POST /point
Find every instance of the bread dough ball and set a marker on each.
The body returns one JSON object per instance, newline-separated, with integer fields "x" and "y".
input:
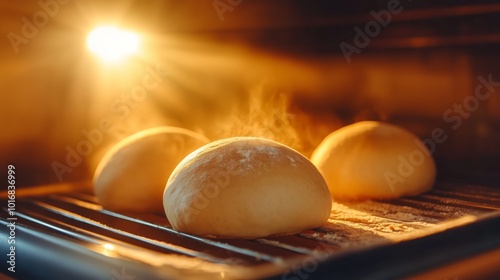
{"x": 374, "y": 160}
{"x": 246, "y": 187}
{"x": 132, "y": 175}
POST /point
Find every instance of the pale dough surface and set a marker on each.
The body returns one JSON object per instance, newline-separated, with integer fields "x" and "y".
{"x": 246, "y": 187}
{"x": 133, "y": 174}
{"x": 374, "y": 160}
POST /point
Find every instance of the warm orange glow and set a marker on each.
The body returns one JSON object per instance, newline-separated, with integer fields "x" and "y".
{"x": 108, "y": 250}
{"x": 108, "y": 246}
{"x": 113, "y": 44}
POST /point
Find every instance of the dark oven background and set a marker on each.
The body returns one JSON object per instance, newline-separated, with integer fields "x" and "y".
{"x": 289, "y": 70}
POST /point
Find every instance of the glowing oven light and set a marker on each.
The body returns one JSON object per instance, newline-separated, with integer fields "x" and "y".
{"x": 112, "y": 44}
{"x": 108, "y": 250}
{"x": 108, "y": 246}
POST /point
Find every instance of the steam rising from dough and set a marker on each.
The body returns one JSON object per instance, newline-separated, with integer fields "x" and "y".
{"x": 265, "y": 114}
{"x": 226, "y": 91}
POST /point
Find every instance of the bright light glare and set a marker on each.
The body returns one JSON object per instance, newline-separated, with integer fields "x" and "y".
{"x": 112, "y": 44}
{"x": 108, "y": 249}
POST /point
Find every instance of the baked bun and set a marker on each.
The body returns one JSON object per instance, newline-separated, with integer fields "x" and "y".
{"x": 374, "y": 160}
{"x": 246, "y": 187}
{"x": 132, "y": 175}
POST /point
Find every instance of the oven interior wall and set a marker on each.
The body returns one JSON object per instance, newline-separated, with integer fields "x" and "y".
{"x": 216, "y": 70}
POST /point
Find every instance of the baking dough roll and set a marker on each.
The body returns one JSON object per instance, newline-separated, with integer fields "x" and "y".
{"x": 132, "y": 175}
{"x": 374, "y": 160}
{"x": 246, "y": 187}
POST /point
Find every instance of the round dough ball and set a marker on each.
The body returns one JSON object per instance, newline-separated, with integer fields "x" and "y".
{"x": 132, "y": 175}
{"x": 374, "y": 160}
{"x": 246, "y": 187}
